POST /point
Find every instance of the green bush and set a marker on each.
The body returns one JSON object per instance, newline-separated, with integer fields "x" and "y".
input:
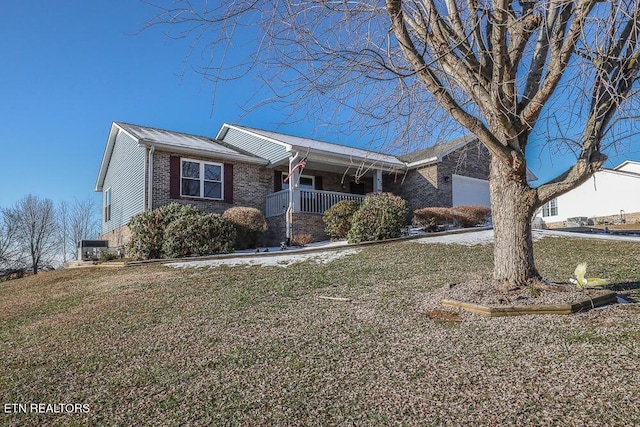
{"x": 202, "y": 234}
{"x": 432, "y": 218}
{"x": 380, "y": 217}
{"x": 249, "y": 223}
{"x": 149, "y": 232}
{"x": 337, "y": 218}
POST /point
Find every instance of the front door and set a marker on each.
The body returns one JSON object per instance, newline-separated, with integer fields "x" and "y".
{"x": 356, "y": 187}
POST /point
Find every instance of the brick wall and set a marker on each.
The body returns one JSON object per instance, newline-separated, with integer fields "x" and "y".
{"x": 305, "y": 223}
{"x": 251, "y": 185}
{"x": 419, "y": 187}
{"x": 118, "y": 237}
{"x": 302, "y": 223}
{"x": 472, "y": 160}
{"x": 431, "y": 185}
{"x": 276, "y": 231}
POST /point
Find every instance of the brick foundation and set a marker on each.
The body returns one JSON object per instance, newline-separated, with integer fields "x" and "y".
{"x": 302, "y": 223}
{"x": 117, "y": 238}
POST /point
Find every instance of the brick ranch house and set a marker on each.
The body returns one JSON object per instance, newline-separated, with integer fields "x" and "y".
{"x": 144, "y": 168}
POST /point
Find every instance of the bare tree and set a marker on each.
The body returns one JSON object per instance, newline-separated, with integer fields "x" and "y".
{"x": 8, "y": 250}
{"x": 83, "y": 222}
{"x": 507, "y": 71}
{"x": 35, "y": 224}
{"x": 63, "y": 228}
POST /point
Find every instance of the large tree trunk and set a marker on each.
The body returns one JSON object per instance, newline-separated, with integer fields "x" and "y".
{"x": 512, "y": 206}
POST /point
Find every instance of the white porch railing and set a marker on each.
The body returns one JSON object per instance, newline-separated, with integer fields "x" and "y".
{"x": 277, "y": 203}
{"x": 311, "y": 201}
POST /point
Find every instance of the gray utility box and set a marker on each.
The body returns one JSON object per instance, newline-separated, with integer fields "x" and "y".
{"x": 89, "y": 250}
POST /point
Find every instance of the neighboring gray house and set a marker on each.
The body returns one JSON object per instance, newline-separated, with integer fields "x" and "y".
{"x": 144, "y": 168}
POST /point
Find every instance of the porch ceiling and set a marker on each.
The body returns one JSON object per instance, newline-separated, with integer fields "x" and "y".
{"x": 349, "y": 169}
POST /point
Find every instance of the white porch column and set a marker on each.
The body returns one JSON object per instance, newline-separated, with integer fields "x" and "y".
{"x": 294, "y": 181}
{"x": 377, "y": 181}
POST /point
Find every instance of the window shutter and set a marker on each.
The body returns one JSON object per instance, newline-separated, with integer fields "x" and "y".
{"x": 318, "y": 182}
{"x": 174, "y": 177}
{"x": 228, "y": 183}
{"x": 277, "y": 181}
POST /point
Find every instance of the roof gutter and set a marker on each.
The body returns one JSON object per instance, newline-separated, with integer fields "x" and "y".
{"x": 422, "y": 162}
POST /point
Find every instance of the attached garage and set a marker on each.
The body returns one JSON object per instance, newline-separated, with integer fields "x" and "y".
{"x": 470, "y": 191}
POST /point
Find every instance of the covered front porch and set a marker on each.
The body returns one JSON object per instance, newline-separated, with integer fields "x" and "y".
{"x": 308, "y": 201}
{"x": 312, "y": 184}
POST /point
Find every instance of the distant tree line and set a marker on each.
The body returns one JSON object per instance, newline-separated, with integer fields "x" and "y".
{"x": 35, "y": 233}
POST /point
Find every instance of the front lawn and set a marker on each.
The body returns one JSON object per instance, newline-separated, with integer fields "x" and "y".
{"x": 153, "y": 345}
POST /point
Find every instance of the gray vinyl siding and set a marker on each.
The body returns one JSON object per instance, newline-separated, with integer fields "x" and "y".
{"x": 255, "y": 145}
{"x": 126, "y": 178}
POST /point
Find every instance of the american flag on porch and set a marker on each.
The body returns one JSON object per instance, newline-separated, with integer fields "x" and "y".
{"x": 301, "y": 164}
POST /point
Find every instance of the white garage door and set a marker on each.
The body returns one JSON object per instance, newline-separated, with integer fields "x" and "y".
{"x": 470, "y": 191}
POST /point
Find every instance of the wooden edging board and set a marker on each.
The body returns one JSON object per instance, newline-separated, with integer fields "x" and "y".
{"x": 521, "y": 310}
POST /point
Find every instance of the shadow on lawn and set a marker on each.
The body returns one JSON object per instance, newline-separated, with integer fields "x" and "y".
{"x": 631, "y": 290}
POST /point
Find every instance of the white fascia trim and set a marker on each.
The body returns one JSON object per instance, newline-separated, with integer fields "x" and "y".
{"x": 205, "y": 153}
{"x": 340, "y": 160}
{"x": 422, "y": 162}
{"x": 106, "y": 156}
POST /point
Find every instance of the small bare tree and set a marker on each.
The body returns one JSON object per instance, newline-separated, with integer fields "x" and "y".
{"x": 8, "y": 250}
{"x": 83, "y": 222}
{"x": 35, "y": 225}
{"x": 507, "y": 71}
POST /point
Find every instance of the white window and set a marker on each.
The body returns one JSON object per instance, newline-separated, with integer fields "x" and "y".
{"x": 107, "y": 205}
{"x": 550, "y": 208}
{"x": 307, "y": 182}
{"x": 201, "y": 179}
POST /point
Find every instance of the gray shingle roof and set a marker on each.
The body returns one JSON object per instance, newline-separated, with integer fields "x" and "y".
{"x": 437, "y": 151}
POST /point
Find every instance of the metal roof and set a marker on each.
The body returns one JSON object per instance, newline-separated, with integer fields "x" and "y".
{"x": 186, "y": 142}
{"x": 305, "y": 145}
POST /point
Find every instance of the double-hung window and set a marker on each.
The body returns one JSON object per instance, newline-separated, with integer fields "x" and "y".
{"x": 550, "y": 208}
{"x": 201, "y": 179}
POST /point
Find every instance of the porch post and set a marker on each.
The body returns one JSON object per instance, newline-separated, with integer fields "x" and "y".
{"x": 294, "y": 181}
{"x": 377, "y": 181}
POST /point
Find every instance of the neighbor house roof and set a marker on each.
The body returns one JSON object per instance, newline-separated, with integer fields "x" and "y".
{"x": 629, "y": 166}
{"x": 276, "y": 147}
{"x": 176, "y": 142}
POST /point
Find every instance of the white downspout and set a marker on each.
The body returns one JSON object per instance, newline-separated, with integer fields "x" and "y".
{"x": 150, "y": 174}
{"x": 289, "y": 213}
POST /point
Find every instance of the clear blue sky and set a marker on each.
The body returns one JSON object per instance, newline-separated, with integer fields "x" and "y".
{"x": 71, "y": 67}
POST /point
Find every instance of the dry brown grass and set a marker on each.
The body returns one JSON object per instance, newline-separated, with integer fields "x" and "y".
{"x": 256, "y": 346}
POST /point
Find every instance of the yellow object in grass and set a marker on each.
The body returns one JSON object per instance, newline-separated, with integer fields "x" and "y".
{"x": 582, "y": 281}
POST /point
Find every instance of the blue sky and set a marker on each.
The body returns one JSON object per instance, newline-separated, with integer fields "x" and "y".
{"x": 71, "y": 67}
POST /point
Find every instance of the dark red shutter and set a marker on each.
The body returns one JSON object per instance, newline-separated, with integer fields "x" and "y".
{"x": 228, "y": 183}
{"x": 174, "y": 177}
{"x": 277, "y": 181}
{"x": 318, "y": 183}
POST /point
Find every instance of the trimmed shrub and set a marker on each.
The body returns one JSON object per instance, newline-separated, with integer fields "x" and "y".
{"x": 301, "y": 240}
{"x": 380, "y": 217}
{"x": 337, "y": 218}
{"x": 149, "y": 232}
{"x": 431, "y": 219}
{"x": 470, "y": 216}
{"x": 249, "y": 223}
{"x": 202, "y": 234}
